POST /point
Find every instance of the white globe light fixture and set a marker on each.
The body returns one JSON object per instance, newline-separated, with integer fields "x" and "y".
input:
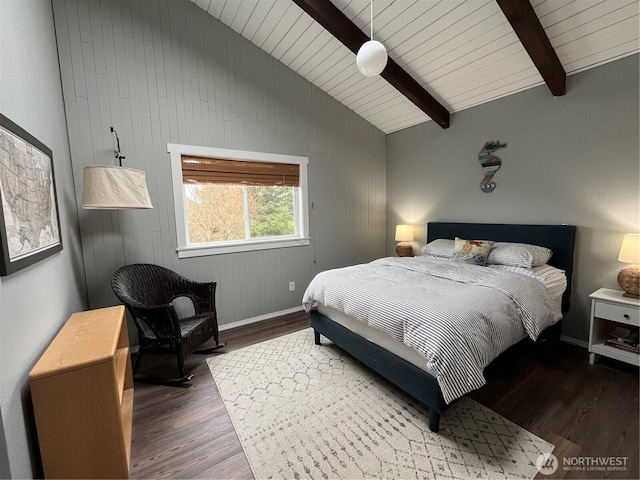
{"x": 372, "y": 56}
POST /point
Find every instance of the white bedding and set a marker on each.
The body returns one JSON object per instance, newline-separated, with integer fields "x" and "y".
{"x": 458, "y": 317}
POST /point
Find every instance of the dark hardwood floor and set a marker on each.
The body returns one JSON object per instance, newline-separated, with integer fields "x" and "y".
{"x": 585, "y": 411}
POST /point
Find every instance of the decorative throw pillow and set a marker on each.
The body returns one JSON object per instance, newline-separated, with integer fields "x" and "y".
{"x": 472, "y": 251}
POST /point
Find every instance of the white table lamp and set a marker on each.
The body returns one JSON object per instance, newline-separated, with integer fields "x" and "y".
{"x": 629, "y": 276}
{"x": 404, "y": 235}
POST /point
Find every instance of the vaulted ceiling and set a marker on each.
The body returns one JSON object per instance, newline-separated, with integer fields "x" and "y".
{"x": 461, "y": 53}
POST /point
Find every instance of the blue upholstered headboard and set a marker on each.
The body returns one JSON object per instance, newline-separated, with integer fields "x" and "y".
{"x": 559, "y": 239}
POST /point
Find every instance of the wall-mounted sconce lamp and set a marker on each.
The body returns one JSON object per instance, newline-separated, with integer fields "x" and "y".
{"x": 111, "y": 187}
{"x": 629, "y": 276}
{"x": 404, "y": 235}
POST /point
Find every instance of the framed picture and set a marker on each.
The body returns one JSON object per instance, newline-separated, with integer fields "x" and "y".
{"x": 29, "y": 219}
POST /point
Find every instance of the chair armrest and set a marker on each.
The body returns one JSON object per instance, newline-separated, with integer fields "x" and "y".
{"x": 162, "y": 319}
{"x": 202, "y": 294}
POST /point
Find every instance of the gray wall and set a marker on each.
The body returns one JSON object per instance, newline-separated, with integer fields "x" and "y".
{"x": 572, "y": 159}
{"x": 166, "y": 71}
{"x": 35, "y": 302}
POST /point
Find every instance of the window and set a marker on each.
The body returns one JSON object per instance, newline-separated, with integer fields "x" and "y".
{"x": 234, "y": 201}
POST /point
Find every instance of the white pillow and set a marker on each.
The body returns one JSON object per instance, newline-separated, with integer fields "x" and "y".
{"x": 437, "y": 257}
{"x": 502, "y": 253}
{"x": 554, "y": 279}
{"x": 442, "y": 248}
{"x": 518, "y": 254}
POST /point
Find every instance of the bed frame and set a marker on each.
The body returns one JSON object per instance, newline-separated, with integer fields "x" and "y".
{"x": 416, "y": 382}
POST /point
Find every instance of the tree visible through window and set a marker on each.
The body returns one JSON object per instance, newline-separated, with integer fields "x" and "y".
{"x": 271, "y": 211}
{"x": 218, "y": 213}
{"x": 233, "y": 200}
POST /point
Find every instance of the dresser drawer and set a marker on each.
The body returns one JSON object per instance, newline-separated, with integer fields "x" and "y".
{"x": 617, "y": 313}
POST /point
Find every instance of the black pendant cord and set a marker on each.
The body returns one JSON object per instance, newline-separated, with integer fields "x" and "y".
{"x": 116, "y": 150}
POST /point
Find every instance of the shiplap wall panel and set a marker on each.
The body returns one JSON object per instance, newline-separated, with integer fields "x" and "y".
{"x": 275, "y": 16}
{"x": 457, "y": 52}
{"x": 256, "y": 18}
{"x": 301, "y": 43}
{"x": 322, "y": 58}
{"x": 167, "y": 72}
{"x": 438, "y": 52}
{"x": 573, "y": 50}
{"x": 432, "y": 20}
{"x": 352, "y": 88}
{"x": 479, "y": 75}
{"x": 292, "y": 35}
{"x": 337, "y": 64}
{"x": 432, "y": 39}
{"x": 389, "y": 22}
{"x": 513, "y": 83}
{"x": 204, "y": 4}
{"x": 64, "y": 55}
{"x": 406, "y": 111}
{"x": 243, "y": 14}
{"x": 288, "y": 18}
{"x": 619, "y": 51}
{"x": 394, "y": 124}
{"x": 355, "y": 83}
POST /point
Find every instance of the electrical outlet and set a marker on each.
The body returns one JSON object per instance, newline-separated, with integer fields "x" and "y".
{"x": 292, "y": 286}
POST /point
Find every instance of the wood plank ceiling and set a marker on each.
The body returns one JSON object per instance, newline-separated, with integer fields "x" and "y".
{"x": 463, "y": 52}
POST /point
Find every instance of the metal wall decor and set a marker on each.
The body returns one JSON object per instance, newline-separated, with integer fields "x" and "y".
{"x": 490, "y": 164}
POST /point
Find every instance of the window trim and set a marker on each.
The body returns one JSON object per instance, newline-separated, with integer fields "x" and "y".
{"x": 185, "y": 250}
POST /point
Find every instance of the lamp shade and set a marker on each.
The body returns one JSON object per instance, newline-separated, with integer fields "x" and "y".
{"x": 404, "y": 233}
{"x": 630, "y": 250}
{"x": 114, "y": 188}
{"x": 371, "y": 58}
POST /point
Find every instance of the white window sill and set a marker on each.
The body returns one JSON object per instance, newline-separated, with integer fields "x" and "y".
{"x": 241, "y": 246}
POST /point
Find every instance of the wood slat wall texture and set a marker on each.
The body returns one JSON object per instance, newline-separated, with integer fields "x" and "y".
{"x": 463, "y": 52}
{"x": 165, "y": 71}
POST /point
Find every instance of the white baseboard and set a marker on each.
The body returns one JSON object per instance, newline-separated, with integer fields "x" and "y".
{"x": 259, "y": 318}
{"x": 574, "y": 341}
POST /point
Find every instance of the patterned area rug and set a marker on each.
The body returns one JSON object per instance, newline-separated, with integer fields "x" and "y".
{"x": 307, "y": 411}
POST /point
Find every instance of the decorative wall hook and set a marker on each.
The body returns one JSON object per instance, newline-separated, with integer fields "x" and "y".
{"x": 116, "y": 148}
{"x": 490, "y": 164}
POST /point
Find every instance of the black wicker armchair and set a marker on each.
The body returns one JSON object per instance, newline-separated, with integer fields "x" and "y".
{"x": 148, "y": 292}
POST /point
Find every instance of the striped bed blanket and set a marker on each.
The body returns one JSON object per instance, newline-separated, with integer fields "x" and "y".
{"x": 459, "y": 317}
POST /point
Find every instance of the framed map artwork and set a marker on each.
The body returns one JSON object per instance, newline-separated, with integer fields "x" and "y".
{"x": 29, "y": 219}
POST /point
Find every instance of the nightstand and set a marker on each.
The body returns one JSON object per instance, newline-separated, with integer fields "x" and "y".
{"x": 608, "y": 310}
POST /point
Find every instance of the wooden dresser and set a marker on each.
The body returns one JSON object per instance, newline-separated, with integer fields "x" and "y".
{"x": 82, "y": 390}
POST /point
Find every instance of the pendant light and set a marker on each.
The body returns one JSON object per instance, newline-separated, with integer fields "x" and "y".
{"x": 372, "y": 56}
{"x": 114, "y": 187}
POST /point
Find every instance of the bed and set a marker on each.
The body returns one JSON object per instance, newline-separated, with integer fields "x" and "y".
{"x": 401, "y": 364}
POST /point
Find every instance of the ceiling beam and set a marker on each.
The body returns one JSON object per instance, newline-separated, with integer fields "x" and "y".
{"x": 526, "y": 24}
{"x": 335, "y": 22}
